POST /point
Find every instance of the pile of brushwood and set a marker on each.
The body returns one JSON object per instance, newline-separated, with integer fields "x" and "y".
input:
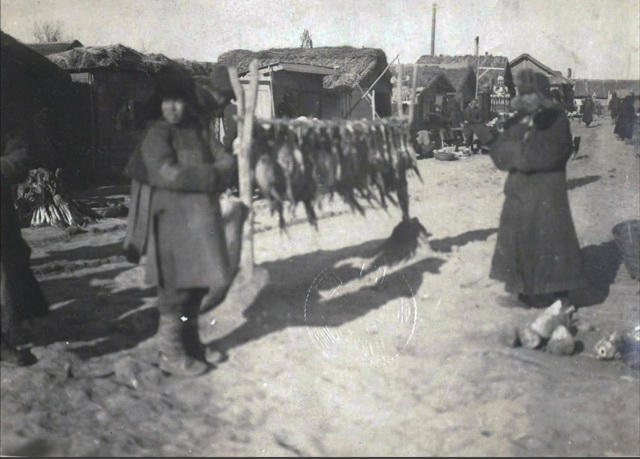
{"x": 42, "y": 200}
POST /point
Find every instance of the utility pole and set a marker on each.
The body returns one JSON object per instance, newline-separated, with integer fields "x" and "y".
{"x": 433, "y": 30}
{"x": 477, "y": 64}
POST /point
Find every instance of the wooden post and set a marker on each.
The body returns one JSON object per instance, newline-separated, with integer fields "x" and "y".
{"x": 246, "y": 112}
{"x": 413, "y": 94}
{"x": 373, "y": 105}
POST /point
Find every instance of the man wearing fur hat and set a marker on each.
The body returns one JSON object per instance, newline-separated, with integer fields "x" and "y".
{"x": 537, "y": 254}
{"x": 175, "y": 219}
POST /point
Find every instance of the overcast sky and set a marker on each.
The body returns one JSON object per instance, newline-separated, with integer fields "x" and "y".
{"x": 596, "y": 38}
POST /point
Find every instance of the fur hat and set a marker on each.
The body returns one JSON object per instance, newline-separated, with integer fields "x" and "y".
{"x": 174, "y": 82}
{"x": 528, "y": 81}
{"x": 218, "y": 79}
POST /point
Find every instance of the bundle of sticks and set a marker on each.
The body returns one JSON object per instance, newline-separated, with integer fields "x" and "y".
{"x": 42, "y": 200}
{"x": 301, "y": 160}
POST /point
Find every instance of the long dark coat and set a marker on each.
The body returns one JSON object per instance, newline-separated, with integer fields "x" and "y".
{"x": 588, "y": 107}
{"x": 626, "y": 118}
{"x": 537, "y": 249}
{"x": 20, "y": 294}
{"x": 614, "y": 107}
{"x": 175, "y": 219}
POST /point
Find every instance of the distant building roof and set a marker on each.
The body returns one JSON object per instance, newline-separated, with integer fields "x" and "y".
{"x": 427, "y": 77}
{"x": 555, "y": 76}
{"x": 354, "y": 66}
{"x": 54, "y": 47}
{"x": 602, "y": 88}
{"x": 486, "y": 60}
{"x": 490, "y": 66}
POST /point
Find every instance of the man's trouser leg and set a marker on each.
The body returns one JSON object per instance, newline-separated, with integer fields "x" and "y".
{"x": 178, "y": 309}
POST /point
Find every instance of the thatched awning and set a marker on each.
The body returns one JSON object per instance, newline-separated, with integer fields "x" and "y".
{"x": 355, "y": 65}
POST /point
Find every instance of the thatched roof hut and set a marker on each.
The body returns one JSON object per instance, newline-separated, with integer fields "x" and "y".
{"x": 496, "y": 65}
{"x": 356, "y": 66}
{"x": 426, "y": 77}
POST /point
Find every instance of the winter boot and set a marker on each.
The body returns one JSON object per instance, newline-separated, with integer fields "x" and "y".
{"x": 12, "y": 356}
{"x": 173, "y": 357}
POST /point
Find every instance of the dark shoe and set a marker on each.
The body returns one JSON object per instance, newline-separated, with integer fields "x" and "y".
{"x": 541, "y": 300}
{"x": 214, "y": 354}
{"x": 15, "y": 357}
{"x": 181, "y": 365}
{"x": 508, "y": 301}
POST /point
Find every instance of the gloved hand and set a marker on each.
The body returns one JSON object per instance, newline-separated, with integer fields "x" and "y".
{"x": 227, "y": 171}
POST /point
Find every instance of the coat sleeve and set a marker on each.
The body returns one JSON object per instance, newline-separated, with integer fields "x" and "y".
{"x": 15, "y": 161}
{"x": 164, "y": 170}
{"x": 538, "y": 148}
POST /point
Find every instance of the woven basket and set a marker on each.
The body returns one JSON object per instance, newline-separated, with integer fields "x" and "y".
{"x": 444, "y": 156}
{"x": 627, "y": 235}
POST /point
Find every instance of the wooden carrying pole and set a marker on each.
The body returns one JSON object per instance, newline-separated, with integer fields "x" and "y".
{"x": 242, "y": 148}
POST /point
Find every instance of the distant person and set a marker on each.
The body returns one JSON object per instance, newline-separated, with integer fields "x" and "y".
{"x": 537, "y": 254}
{"x": 286, "y": 108}
{"x": 455, "y": 114}
{"x": 472, "y": 118}
{"x": 426, "y": 145}
{"x": 438, "y": 125}
{"x": 588, "y": 108}
{"x": 626, "y": 119}
{"x": 20, "y": 294}
{"x": 500, "y": 89}
{"x": 614, "y": 107}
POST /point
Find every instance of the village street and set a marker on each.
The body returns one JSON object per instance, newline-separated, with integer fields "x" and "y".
{"x": 336, "y": 360}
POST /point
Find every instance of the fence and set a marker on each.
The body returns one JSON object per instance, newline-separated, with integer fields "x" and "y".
{"x": 500, "y": 104}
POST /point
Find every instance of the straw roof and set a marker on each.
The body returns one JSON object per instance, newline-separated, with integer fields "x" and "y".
{"x": 197, "y": 68}
{"x": 121, "y": 57}
{"x": 601, "y": 88}
{"x": 426, "y": 76}
{"x": 116, "y": 56}
{"x": 499, "y": 64}
{"x": 457, "y": 76}
{"x": 487, "y": 60}
{"x": 355, "y": 65}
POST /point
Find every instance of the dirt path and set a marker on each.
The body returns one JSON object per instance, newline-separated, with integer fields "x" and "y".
{"x": 338, "y": 360}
